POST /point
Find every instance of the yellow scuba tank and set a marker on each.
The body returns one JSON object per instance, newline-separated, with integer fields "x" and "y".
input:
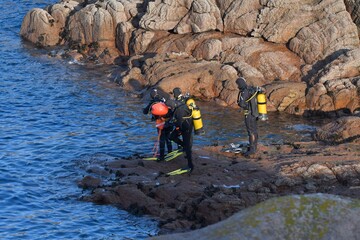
{"x": 261, "y": 104}
{"x": 196, "y": 115}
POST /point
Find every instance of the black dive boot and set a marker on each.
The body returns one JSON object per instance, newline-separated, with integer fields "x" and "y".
{"x": 162, "y": 155}
{"x": 253, "y": 138}
{"x": 190, "y": 165}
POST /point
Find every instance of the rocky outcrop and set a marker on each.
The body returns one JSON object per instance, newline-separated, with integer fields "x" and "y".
{"x": 251, "y": 58}
{"x": 203, "y": 78}
{"x": 342, "y": 130}
{"x": 288, "y": 97}
{"x": 334, "y": 95}
{"x": 240, "y": 16}
{"x": 267, "y": 42}
{"x": 203, "y": 16}
{"x": 353, "y": 7}
{"x": 222, "y": 183}
{"x": 164, "y": 15}
{"x": 318, "y": 40}
{"x": 315, "y": 216}
{"x": 38, "y": 27}
{"x": 46, "y": 27}
{"x": 96, "y": 23}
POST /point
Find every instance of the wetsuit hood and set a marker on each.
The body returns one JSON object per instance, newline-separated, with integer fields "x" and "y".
{"x": 241, "y": 82}
{"x": 154, "y": 93}
{"x": 176, "y": 92}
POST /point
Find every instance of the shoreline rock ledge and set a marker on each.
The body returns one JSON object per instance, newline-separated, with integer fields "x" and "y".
{"x": 304, "y": 53}
{"x": 224, "y": 183}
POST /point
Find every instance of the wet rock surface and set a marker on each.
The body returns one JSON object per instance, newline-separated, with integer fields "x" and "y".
{"x": 224, "y": 183}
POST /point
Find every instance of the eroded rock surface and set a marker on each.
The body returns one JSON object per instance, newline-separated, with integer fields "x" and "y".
{"x": 315, "y": 42}
{"x": 334, "y": 95}
{"x": 341, "y": 130}
{"x": 353, "y": 7}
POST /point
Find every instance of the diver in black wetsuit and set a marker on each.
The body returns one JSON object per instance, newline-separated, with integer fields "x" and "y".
{"x": 155, "y": 98}
{"x": 247, "y": 101}
{"x": 179, "y": 96}
{"x": 164, "y": 138}
{"x": 181, "y": 117}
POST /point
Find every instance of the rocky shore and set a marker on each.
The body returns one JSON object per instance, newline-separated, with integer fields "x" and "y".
{"x": 224, "y": 183}
{"x": 304, "y": 53}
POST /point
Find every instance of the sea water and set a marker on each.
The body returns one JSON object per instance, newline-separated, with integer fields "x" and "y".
{"x": 57, "y": 116}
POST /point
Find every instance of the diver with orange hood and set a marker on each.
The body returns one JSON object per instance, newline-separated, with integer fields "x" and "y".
{"x": 160, "y": 115}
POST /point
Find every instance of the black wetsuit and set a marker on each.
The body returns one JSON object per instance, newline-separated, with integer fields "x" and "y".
{"x": 247, "y": 101}
{"x": 184, "y": 127}
{"x": 165, "y": 132}
{"x": 154, "y": 100}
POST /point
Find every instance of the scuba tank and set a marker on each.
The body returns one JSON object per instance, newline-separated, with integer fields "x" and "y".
{"x": 261, "y": 104}
{"x": 196, "y": 115}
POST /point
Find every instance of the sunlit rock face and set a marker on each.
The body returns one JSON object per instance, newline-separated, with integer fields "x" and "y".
{"x": 97, "y": 23}
{"x": 274, "y": 44}
{"x": 45, "y": 27}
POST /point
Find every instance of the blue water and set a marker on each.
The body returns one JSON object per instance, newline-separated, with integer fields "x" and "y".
{"x": 56, "y": 117}
{"x": 53, "y": 116}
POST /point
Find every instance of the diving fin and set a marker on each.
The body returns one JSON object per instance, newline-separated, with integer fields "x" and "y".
{"x": 173, "y": 156}
{"x": 173, "y": 152}
{"x": 179, "y": 171}
{"x": 168, "y": 157}
{"x": 150, "y": 158}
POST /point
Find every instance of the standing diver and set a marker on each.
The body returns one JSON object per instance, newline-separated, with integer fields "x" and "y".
{"x": 181, "y": 116}
{"x": 195, "y": 110}
{"x": 247, "y": 101}
{"x": 167, "y": 128}
{"x": 179, "y": 96}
